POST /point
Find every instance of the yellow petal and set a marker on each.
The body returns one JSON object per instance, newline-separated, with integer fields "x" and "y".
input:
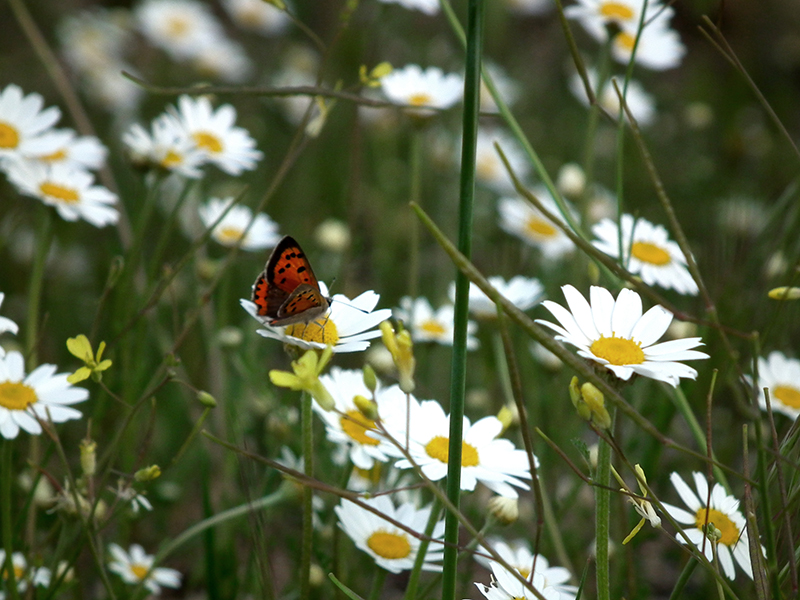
{"x": 79, "y": 375}
{"x": 80, "y": 347}
{"x": 285, "y": 379}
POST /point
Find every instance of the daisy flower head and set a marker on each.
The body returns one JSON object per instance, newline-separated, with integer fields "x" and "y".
{"x": 225, "y": 60}
{"x": 6, "y": 324}
{"x": 23, "y": 124}
{"x": 430, "y": 88}
{"x": 428, "y": 325}
{"x": 391, "y": 547}
{"x": 640, "y": 103}
{"x": 229, "y": 147}
{"x": 348, "y": 325}
{"x": 136, "y": 567}
{"x": 617, "y": 335}
{"x": 659, "y": 47}
{"x": 346, "y": 425}
{"x": 429, "y": 7}
{"x": 506, "y": 586}
{"x": 522, "y": 292}
{"x": 78, "y": 152}
{"x": 520, "y": 218}
{"x": 179, "y": 27}
{"x": 781, "y": 376}
{"x": 263, "y": 233}
{"x": 168, "y": 146}
{"x": 24, "y": 574}
{"x": 70, "y": 191}
{"x": 723, "y": 511}
{"x": 94, "y": 38}
{"x": 257, "y": 15}
{"x": 647, "y": 251}
{"x": 493, "y": 461}
{"x": 594, "y": 15}
{"x": 42, "y": 395}
{"x": 489, "y": 168}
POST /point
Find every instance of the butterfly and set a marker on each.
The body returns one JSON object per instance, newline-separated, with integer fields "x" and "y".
{"x": 287, "y": 291}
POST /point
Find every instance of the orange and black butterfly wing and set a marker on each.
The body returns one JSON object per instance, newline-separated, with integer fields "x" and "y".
{"x": 303, "y": 305}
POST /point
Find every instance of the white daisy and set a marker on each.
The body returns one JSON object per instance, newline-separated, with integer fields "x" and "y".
{"x": 427, "y": 325}
{"x": 180, "y": 27}
{"x": 43, "y": 394}
{"x": 24, "y": 574}
{"x": 263, "y": 232}
{"x": 78, "y": 152}
{"x": 506, "y": 586}
{"x": 522, "y": 292}
{"x": 617, "y": 335}
{"x": 520, "y": 218}
{"x": 94, "y": 38}
{"x": 168, "y": 146}
{"x": 429, "y": 7}
{"x": 429, "y": 88}
{"x": 723, "y": 512}
{"x": 257, "y": 15}
{"x": 508, "y": 88}
{"x": 299, "y": 68}
{"x": 781, "y": 375}
{"x": 229, "y": 147}
{"x": 594, "y": 15}
{"x": 225, "y": 60}
{"x": 659, "y": 48}
{"x": 647, "y": 251}
{"x": 519, "y": 556}
{"x": 391, "y": 547}
{"x": 347, "y": 326}
{"x": 489, "y": 168}
{"x": 493, "y": 461}
{"x": 346, "y": 425}
{"x": 69, "y": 190}
{"x": 23, "y": 123}
{"x": 6, "y": 324}
{"x": 640, "y": 103}
{"x": 112, "y": 91}
{"x": 136, "y": 567}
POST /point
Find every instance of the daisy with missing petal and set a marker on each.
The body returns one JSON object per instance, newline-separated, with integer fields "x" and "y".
{"x": 69, "y": 190}
{"x": 6, "y": 324}
{"x": 518, "y": 555}
{"x": 427, "y": 325}
{"x": 617, "y": 335}
{"x": 429, "y": 7}
{"x": 346, "y": 425}
{"x": 522, "y": 292}
{"x": 723, "y": 512}
{"x": 781, "y": 376}
{"x": 262, "y": 233}
{"x": 137, "y": 567}
{"x": 391, "y": 547}
{"x": 347, "y": 326}
{"x": 79, "y": 152}
{"x": 520, "y": 218}
{"x": 168, "y": 146}
{"x": 506, "y": 586}
{"x": 43, "y": 394}
{"x": 180, "y": 27}
{"x": 229, "y": 147}
{"x": 429, "y": 88}
{"x": 23, "y": 123}
{"x": 493, "y": 461}
{"x": 640, "y": 103}
{"x": 647, "y": 251}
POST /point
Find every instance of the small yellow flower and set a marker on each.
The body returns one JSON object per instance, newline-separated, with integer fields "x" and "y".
{"x": 81, "y": 348}
{"x": 305, "y": 377}
{"x": 373, "y": 78}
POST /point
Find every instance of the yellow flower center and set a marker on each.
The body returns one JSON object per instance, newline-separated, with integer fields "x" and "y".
{"x": 323, "y": 330}
{"x": 618, "y": 351}
{"x": 432, "y": 327}
{"x": 59, "y": 192}
{"x": 525, "y": 572}
{"x": 208, "y": 141}
{"x": 788, "y": 395}
{"x": 625, "y": 41}
{"x": 177, "y": 27}
{"x": 171, "y": 159}
{"x": 650, "y": 253}
{"x": 372, "y": 475}
{"x": 228, "y": 235}
{"x": 439, "y": 448}
{"x": 389, "y": 545}
{"x": 616, "y": 11}
{"x": 9, "y": 136}
{"x": 140, "y": 571}
{"x": 16, "y": 395}
{"x": 539, "y": 228}
{"x": 420, "y": 99}
{"x": 55, "y": 156}
{"x": 730, "y": 533}
{"x": 356, "y": 425}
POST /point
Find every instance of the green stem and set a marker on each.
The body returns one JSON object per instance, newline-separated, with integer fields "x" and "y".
{"x": 602, "y": 497}
{"x": 307, "y": 424}
{"x": 377, "y": 584}
{"x": 677, "y": 591}
{"x": 422, "y": 551}
{"x": 472, "y": 84}
{"x": 37, "y": 281}
{"x": 7, "y": 472}
{"x": 414, "y": 195}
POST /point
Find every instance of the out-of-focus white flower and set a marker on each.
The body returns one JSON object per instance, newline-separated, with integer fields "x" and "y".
{"x": 640, "y": 103}
{"x": 263, "y": 233}
{"x": 520, "y": 218}
{"x": 781, "y": 376}
{"x": 180, "y": 27}
{"x": 429, "y": 7}
{"x": 522, "y": 292}
{"x": 24, "y": 125}
{"x": 427, "y": 325}
{"x": 413, "y": 86}
{"x": 489, "y": 167}
{"x": 136, "y": 567}
{"x": 168, "y": 146}
{"x": 257, "y": 15}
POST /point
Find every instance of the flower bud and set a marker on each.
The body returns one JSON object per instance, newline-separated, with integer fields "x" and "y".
{"x": 148, "y": 473}
{"x": 505, "y": 510}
